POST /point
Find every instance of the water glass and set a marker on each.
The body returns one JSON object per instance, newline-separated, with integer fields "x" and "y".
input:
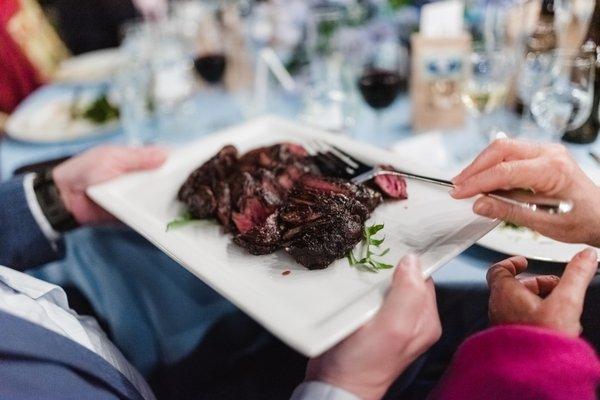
{"x": 485, "y": 85}
{"x": 563, "y": 100}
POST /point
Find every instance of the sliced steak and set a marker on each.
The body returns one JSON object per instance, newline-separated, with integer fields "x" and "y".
{"x": 367, "y": 196}
{"x": 319, "y": 243}
{"x": 322, "y": 220}
{"x": 202, "y": 203}
{"x": 275, "y": 197}
{"x": 263, "y": 238}
{"x": 223, "y": 198}
{"x": 253, "y": 213}
{"x": 390, "y": 185}
{"x": 216, "y": 169}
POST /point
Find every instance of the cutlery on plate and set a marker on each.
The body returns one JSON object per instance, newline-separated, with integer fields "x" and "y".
{"x": 339, "y": 163}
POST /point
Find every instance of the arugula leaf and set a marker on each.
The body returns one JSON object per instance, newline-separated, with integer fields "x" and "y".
{"x": 184, "y": 219}
{"x": 372, "y": 230}
{"x": 100, "y": 111}
{"x": 366, "y": 261}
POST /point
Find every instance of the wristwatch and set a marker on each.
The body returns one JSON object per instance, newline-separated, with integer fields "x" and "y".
{"x": 48, "y": 197}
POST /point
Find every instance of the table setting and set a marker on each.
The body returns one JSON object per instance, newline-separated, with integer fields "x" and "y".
{"x": 421, "y": 88}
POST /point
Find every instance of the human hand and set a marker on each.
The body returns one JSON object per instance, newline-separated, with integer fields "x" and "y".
{"x": 367, "y": 362}
{"x": 543, "y": 301}
{"x": 97, "y": 165}
{"x": 550, "y": 172}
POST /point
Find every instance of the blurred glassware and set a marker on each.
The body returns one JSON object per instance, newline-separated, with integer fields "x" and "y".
{"x": 571, "y": 20}
{"x": 210, "y": 58}
{"x": 383, "y": 70}
{"x": 534, "y": 67}
{"x": 325, "y": 99}
{"x": 563, "y": 100}
{"x": 157, "y": 77}
{"x": 485, "y": 86}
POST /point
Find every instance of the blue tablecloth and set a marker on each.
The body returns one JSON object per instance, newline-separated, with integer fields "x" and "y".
{"x": 157, "y": 312}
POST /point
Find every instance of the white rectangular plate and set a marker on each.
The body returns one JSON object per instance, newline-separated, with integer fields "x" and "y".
{"x": 309, "y": 310}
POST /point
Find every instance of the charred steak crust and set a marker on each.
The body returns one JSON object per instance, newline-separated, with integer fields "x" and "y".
{"x": 275, "y": 197}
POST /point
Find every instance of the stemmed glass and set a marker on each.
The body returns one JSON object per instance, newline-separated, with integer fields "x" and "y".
{"x": 563, "y": 100}
{"x": 534, "y": 67}
{"x": 380, "y": 80}
{"x": 485, "y": 85}
{"x": 210, "y": 60}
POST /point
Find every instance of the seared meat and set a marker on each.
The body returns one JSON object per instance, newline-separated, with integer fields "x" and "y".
{"x": 390, "y": 185}
{"x": 319, "y": 243}
{"x": 367, "y": 196}
{"x": 323, "y": 219}
{"x": 202, "y": 203}
{"x": 204, "y": 181}
{"x": 263, "y": 238}
{"x": 275, "y": 197}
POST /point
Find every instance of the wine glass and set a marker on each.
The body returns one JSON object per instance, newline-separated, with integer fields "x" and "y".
{"x": 563, "y": 100}
{"x": 534, "y": 67}
{"x": 485, "y": 86}
{"x": 380, "y": 78}
{"x": 210, "y": 60}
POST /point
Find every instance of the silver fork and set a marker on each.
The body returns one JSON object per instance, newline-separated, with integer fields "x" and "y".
{"x": 337, "y": 162}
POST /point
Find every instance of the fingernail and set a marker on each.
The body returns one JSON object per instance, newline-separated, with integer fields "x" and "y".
{"x": 589, "y": 254}
{"x": 483, "y": 208}
{"x": 455, "y": 190}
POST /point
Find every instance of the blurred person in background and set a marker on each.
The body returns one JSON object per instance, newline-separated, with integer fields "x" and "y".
{"x": 35, "y": 37}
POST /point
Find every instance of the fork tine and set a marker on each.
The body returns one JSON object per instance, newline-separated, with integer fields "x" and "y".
{"x": 342, "y": 166}
{"x": 331, "y": 162}
{"x": 358, "y": 166}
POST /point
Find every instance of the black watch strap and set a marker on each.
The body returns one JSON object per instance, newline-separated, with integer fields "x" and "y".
{"x": 50, "y": 202}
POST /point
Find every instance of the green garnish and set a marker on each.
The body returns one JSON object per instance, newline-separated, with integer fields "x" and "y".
{"x": 99, "y": 111}
{"x": 184, "y": 219}
{"x": 506, "y": 224}
{"x": 371, "y": 249}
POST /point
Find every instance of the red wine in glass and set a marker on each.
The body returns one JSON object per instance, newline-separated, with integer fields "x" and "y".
{"x": 380, "y": 87}
{"x": 211, "y": 67}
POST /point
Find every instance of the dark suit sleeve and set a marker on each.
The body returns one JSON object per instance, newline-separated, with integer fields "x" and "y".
{"x": 22, "y": 243}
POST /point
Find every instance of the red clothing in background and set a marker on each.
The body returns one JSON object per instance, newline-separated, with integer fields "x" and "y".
{"x": 18, "y": 77}
{"x": 521, "y": 363}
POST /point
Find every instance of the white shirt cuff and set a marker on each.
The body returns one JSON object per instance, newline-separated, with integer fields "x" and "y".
{"x": 315, "y": 390}
{"x": 36, "y": 210}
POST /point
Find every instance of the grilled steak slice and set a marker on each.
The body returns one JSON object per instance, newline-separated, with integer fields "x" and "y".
{"x": 367, "y": 196}
{"x": 222, "y": 194}
{"x": 318, "y": 243}
{"x": 202, "y": 203}
{"x": 275, "y": 197}
{"x": 323, "y": 219}
{"x": 390, "y": 185}
{"x": 263, "y": 238}
{"x": 216, "y": 169}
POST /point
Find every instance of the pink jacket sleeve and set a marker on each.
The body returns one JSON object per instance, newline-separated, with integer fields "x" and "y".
{"x": 521, "y": 362}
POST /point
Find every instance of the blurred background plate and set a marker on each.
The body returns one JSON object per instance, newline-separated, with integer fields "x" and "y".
{"x": 442, "y": 150}
{"x": 530, "y": 244}
{"x": 46, "y": 115}
{"x": 93, "y": 67}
